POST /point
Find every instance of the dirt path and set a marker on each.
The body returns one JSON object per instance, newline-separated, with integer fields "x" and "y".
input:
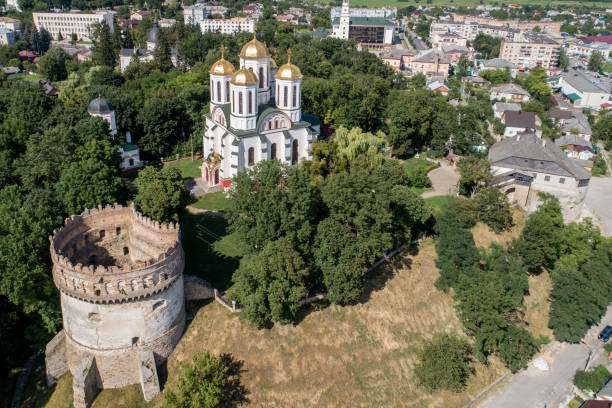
{"x": 444, "y": 180}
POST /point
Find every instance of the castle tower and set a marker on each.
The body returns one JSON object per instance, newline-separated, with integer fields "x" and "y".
{"x": 120, "y": 277}
{"x": 255, "y": 56}
{"x": 243, "y": 88}
{"x": 220, "y": 77}
{"x": 102, "y": 108}
{"x": 289, "y": 90}
{"x": 345, "y": 20}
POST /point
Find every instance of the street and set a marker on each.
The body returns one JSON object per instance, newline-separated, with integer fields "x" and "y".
{"x": 532, "y": 388}
{"x": 598, "y": 201}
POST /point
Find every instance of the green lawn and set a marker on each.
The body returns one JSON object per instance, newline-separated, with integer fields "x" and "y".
{"x": 189, "y": 168}
{"x": 24, "y": 76}
{"x": 212, "y": 201}
{"x": 438, "y": 202}
{"x": 211, "y": 251}
{"x": 415, "y": 164}
{"x": 575, "y": 403}
{"x": 607, "y": 67}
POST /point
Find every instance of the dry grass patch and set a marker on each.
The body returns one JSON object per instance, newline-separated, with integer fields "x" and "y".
{"x": 484, "y": 236}
{"x": 537, "y": 305}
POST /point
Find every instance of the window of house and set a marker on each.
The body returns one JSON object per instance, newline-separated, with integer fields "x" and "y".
{"x": 561, "y": 180}
{"x": 273, "y": 151}
{"x": 251, "y": 156}
{"x": 546, "y": 178}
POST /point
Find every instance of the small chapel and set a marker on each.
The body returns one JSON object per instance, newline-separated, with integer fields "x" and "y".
{"x": 255, "y": 114}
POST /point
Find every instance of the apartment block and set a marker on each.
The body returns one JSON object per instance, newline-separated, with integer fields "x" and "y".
{"x": 75, "y": 22}
{"x": 229, "y": 26}
{"x": 545, "y": 25}
{"x": 537, "y": 50}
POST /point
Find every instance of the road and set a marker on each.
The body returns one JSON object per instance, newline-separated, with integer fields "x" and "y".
{"x": 598, "y": 201}
{"x": 532, "y": 388}
{"x": 418, "y": 43}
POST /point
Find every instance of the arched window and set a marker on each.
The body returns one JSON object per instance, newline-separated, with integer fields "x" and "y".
{"x": 282, "y": 123}
{"x": 273, "y": 151}
{"x": 219, "y": 91}
{"x": 131, "y": 162}
{"x": 250, "y": 102}
{"x": 227, "y": 93}
{"x": 240, "y": 102}
{"x": 294, "y": 152}
{"x": 286, "y": 91}
{"x": 261, "y": 77}
{"x": 294, "y": 96}
{"x": 233, "y": 101}
{"x": 275, "y": 123}
{"x": 251, "y": 156}
{"x": 217, "y": 176}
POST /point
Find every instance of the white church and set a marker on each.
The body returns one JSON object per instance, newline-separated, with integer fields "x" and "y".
{"x": 255, "y": 114}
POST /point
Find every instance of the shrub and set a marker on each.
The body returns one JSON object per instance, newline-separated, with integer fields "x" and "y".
{"x": 494, "y": 209}
{"x": 464, "y": 209}
{"x": 444, "y": 363}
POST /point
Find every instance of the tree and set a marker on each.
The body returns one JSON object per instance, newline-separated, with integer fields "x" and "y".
{"x": 53, "y": 65}
{"x": 475, "y": 173}
{"x": 517, "y": 348}
{"x": 87, "y": 184}
{"x": 494, "y": 209}
{"x": 161, "y": 121}
{"x": 418, "y": 81}
{"x": 496, "y": 76}
{"x": 270, "y": 284}
{"x": 487, "y": 45}
{"x": 356, "y": 143}
{"x": 208, "y": 382}
{"x": 103, "y": 50}
{"x": 602, "y": 130}
{"x": 563, "y": 59}
{"x": 596, "y": 61}
{"x": 536, "y": 83}
{"x": 161, "y": 193}
{"x": 273, "y": 201}
{"x": 162, "y": 52}
{"x": 444, "y": 363}
{"x": 463, "y": 65}
{"x": 540, "y": 241}
{"x": 592, "y": 380}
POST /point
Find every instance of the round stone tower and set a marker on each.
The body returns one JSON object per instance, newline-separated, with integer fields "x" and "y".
{"x": 120, "y": 277}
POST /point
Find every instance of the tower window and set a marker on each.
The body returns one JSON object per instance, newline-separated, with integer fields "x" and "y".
{"x": 227, "y": 92}
{"x": 251, "y": 156}
{"x": 250, "y": 103}
{"x": 233, "y": 101}
{"x": 294, "y": 95}
{"x": 240, "y": 102}
{"x": 273, "y": 151}
{"x": 219, "y": 91}
{"x": 285, "y": 92}
{"x": 261, "y": 77}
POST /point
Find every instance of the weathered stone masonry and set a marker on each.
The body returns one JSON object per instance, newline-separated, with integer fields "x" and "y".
{"x": 120, "y": 277}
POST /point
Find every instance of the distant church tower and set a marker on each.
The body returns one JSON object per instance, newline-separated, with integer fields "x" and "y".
{"x": 102, "y": 108}
{"x": 345, "y": 21}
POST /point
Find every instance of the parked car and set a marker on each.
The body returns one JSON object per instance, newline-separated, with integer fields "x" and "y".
{"x": 605, "y": 334}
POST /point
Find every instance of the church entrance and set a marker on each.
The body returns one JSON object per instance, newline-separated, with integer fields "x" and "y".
{"x": 216, "y": 176}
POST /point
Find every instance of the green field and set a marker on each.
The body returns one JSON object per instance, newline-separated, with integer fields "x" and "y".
{"x": 457, "y": 3}
{"x": 189, "y": 168}
{"x": 27, "y": 77}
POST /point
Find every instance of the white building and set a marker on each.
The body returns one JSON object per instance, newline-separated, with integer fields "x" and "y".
{"x": 469, "y": 31}
{"x": 382, "y": 12}
{"x": 255, "y": 114}
{"x": 194, "y": 14}
{"x": 7, "y": 37}
{"x": 586, "y": 50}
{"x": 525, "y": 165}
{"x": 126, "y": 55}
{"x": 509, "y": 92}
{"x": 10, "y": 23}
{"x": 230, "y": 26}
{"x": 364, "y": 30}
{"x": 13, "y": 4}
{"x": 585, "y": 91}
{"x": 73, "y": 22}
{"x": 130, "y": 154}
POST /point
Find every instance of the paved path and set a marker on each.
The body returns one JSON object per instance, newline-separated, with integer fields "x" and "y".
{"x": 444, "y": 180}
{"x": 532, "y": 388}
{"x": 598, "y": 201}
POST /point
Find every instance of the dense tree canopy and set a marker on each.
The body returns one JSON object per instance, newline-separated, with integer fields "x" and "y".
{"x": 444, "y": 363}
{"x": 161, "y": 193}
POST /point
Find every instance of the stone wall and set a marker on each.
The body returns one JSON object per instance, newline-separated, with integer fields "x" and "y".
{"x": 85, "y": 382}
{"x": 55, "y": 358}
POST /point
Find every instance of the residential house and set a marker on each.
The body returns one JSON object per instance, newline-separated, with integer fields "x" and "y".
{"x": 438, "y": 87}
{"x": 140, "y": 15}
{"x": 510, "y": 92}
{"x": 126, "y": 55}
{"x": 398, "y": 59}
{"x": 525, "y": 165}
{"x": 476, "y": 80}
{"x": 500, "y": 107}
{"x": 605, "y": 394}
{"x": 534, "y": 50}
{"x": 500, "y": 63}
{"x": 596, "y": 404}
{"x": 7, "y": 36}
{"x": 454, "y": 52}
{"x": 430, "y": 62}
{"x": 518, "y": 122}
{"x": 442, "y": 38}
{"x": 575, "y": 147}
{"x": 572, "y": 122}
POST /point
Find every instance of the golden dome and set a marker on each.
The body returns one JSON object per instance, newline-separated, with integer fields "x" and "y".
{"x": 222, "y": 67}
{"x": 254, "y": 49}
{"x": 244, "y": 77}
{"x": 288, "y": 71}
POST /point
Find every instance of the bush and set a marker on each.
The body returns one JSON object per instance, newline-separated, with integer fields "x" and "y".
{"x": 600, "y": 167}
{"x": 208, "y": 382}
{"x": 592, "y": 380}
{"x": 494, "y": 209}
{"x": 464, "y": 209}
{"x": 445, "y": 363}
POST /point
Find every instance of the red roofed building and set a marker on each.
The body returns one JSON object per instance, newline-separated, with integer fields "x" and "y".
{"x": 598, "y": 38}
{"x": 27, "y": 55}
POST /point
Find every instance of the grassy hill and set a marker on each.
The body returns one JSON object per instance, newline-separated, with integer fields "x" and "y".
{"x": 358, "y": 356}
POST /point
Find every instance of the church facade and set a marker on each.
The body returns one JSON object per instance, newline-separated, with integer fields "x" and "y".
{"x": 255, "y": 114}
